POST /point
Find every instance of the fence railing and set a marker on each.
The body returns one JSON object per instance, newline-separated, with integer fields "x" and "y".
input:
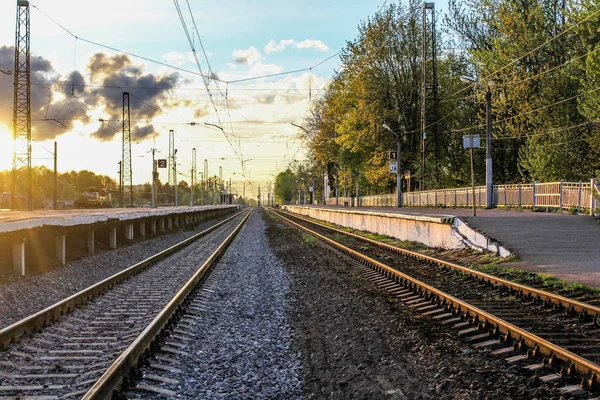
{"x": 578, "y": 196}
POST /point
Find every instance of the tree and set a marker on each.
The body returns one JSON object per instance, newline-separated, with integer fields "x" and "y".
{"x": 285, "y": 187}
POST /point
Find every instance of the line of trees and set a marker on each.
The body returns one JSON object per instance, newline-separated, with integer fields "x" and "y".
{"x": 540, "y": 60}
{"x": 71, "y": 185}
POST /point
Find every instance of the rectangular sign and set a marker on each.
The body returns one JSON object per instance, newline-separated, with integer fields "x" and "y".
{"x": 393, "y": 155}
{"x": 311, "y": 188}
{"x": 393, "y": 167}
{"x": 467, "y": 141}
{"x": 162, "y": 163}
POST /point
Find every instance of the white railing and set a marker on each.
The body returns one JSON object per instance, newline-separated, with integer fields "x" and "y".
{"x": 563, "y": 195}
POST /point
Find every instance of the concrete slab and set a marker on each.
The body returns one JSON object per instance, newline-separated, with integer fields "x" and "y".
{"x": 563, "y": 245}
{"x": 11, "y": 221}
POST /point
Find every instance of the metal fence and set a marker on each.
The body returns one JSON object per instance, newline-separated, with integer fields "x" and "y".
{"x": 564, "y": 195}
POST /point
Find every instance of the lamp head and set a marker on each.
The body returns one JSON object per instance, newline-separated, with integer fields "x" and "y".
{"x": 468, "y": 79}
{"x": 387, "y": 127}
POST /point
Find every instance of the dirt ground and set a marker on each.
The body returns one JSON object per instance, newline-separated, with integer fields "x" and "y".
{"x": 357, "y": 342}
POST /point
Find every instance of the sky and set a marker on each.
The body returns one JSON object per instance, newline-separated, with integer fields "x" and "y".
{"x": 79, "y": 78}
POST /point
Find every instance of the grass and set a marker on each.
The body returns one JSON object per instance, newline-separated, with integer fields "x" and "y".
{"x": 308, "y": 239}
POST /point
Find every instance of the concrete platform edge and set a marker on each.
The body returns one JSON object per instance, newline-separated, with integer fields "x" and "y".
{"x": 446, "y": 231}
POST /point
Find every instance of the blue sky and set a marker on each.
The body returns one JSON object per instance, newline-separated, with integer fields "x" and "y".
{"x": 236, "y": 35}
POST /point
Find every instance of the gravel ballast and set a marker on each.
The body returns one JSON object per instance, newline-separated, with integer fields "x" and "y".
{"x": 23, "y": 296}
{"x": 359, "y": 342}
{"x": 242, "y": 341}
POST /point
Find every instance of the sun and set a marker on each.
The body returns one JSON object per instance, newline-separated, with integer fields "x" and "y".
{"x": 6, "y": 148}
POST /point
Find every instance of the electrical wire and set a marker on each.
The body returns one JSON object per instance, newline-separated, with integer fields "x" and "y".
{"x": 485, "y": 78}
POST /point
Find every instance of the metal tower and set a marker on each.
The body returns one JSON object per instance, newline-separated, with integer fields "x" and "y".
{"x": 172, "y": 167}
{"x": 205, "y": 170}
{"x": 428, "y": 30}
{"x": 194, "y": 179}
{"x": 21, "y": 168}
{"x": 127, "y": 182}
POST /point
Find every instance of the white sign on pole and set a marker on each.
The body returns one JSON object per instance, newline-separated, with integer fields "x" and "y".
{"x": 467, "y": 141}
{"x": 393, "y": 167}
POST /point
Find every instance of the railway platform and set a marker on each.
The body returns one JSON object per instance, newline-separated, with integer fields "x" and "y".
{"x": 563, "y": 245}
{"x": 28, "y": 239}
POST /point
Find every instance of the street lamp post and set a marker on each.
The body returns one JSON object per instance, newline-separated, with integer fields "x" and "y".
{"x": 398, "y": 168}
{"x": 489, "y": 185}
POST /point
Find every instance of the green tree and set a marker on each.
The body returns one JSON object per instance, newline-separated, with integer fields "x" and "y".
{"x": 285, "y": 187}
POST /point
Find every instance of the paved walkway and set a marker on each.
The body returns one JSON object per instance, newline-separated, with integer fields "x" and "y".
{"x": 566, "y": 246}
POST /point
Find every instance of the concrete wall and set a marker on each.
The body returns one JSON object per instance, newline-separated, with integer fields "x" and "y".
{"x": 442, "y": 231}
{"x": 431, "y": 231}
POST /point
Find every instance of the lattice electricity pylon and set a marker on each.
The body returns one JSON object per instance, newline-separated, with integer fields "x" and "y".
{"x": 172, "y": 166}
{"x": 21, "y": 168}
{"x": 194, "y": 179}
{"x": 127, "y": 186}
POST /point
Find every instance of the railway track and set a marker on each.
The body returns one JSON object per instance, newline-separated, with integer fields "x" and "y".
{"x": 89, "y": 344}
{"x": 554, "y": 338}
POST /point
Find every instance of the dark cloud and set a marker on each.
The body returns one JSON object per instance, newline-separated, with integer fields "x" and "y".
{"x": 50, "y": 118}
{"x": 140, "y": 133}
{"x": 106, "y": 131}
{"x": 116, "y": 75}
{"x": 109, "y": 77}
{"x": 100, "y": 63}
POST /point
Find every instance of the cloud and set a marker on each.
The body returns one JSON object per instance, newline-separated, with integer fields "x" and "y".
{"x": 260, "y": 69}
{"x": 312, "y": 44}
{"x": 53, "y": 109}
{"x": 248, "y": 56}
{"x": 148, "y": 92}
{"x": 143, "y": 132}
{"x": 174, "y": 58}
{"x": 274, "y": 46}
{"x": 178, "y": 59}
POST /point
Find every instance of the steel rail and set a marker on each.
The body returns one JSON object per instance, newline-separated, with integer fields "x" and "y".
{"x": 126, "y": 363}
{"x": 43, "y": 318}
{"x": 578, "y": 306}
{"x": 582, "y": 365}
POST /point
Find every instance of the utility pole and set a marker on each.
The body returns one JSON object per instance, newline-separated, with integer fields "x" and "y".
{"x": 398, "y": 167}
{"x": 221, "y": 185}
{"x": 121, "y": 184}
{"x": 55, "y": 183}
{"x": 337, "y": 186}
{"x": 172, "y": 166}
{"x": 229, "y": 201}
{"x": 21, "y": 165}
{"x": 472, "y": 176}
{"x": 244, "y": 191}
{"x": 258, "y": 202}
{"x": 126, "y": 176}
{"x": 206, "y": 179}
{"x": 489, "y": 183}
{"x": 175, "y": 173}
{"x": 154, "y": 178}
{"x": 194, "y": 179}
{"x": 426, "y": 7}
